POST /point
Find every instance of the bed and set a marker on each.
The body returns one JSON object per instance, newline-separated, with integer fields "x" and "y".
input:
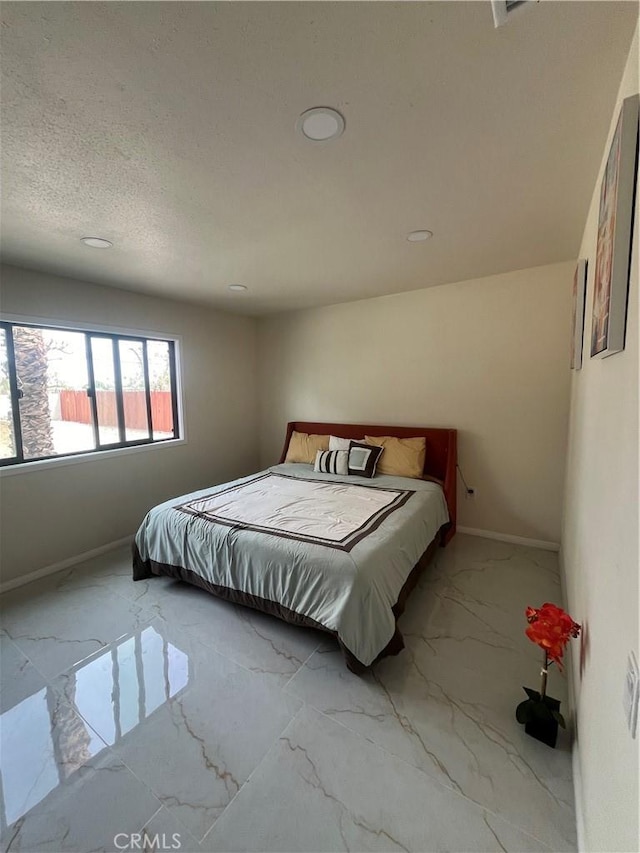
{"x": 336, "y": 553}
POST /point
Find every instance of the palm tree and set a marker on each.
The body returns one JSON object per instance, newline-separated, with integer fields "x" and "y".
{"x": 35, "y": 414}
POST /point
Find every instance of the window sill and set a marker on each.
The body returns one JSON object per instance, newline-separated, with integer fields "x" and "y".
{"x": 96, "y": 456}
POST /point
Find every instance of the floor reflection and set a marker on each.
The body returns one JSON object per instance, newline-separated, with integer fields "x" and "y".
{"x": 117, "y": 690}
{"x": 43, "y": 741}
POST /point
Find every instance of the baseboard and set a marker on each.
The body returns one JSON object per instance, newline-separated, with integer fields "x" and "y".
{"x": 576, "y": 766}
{"x": 63, "y": 564}
{"x": 507, "y": 537}
{"x": 577, "y": 796}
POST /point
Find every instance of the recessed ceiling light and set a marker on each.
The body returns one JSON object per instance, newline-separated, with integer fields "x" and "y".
{"x": 97, "y": 242}
{"x": 418, "y": 236}
{"x": 320, "y": 124}
{"x": 238, "y": 288}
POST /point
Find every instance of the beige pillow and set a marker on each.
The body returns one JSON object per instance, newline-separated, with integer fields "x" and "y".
{"x": 303, "y": 447}
{"x": 402, "y": 457}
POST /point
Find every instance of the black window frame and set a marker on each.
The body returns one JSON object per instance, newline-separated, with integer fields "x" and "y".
{"x": 6, "y": 328}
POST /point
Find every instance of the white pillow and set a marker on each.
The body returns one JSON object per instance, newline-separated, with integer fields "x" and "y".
{"x": 336, "y": 443}
{"x": 332, "y": 462}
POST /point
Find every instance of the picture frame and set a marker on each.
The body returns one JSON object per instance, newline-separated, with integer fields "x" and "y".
{"x": 578, "y": 314}
{"x": 615, "y": 228}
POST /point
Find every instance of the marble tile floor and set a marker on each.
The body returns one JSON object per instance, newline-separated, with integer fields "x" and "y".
{"x": 152, "y": 716}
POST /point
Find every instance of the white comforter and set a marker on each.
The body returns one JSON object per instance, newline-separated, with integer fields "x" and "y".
{"x": 337, "y": 550}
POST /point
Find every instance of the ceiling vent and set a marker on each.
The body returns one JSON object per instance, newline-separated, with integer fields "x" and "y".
{"x": 503, "y": 9}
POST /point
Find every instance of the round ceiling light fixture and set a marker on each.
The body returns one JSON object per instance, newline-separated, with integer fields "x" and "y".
{"x": 419, "y": 236}
{"x": 97, "y": 242}
{"x": 238, "y": 288}
{"x": 320, "y": 124}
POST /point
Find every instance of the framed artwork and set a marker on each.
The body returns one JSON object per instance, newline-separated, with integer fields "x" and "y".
{"x": 615, "y": 220}
{"x": 577, "y": 327}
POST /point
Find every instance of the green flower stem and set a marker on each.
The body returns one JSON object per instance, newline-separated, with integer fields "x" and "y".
{"x": 543, "y": 674}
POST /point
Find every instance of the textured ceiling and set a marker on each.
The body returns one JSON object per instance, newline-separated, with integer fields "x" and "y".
{"x": 169, "y": 129}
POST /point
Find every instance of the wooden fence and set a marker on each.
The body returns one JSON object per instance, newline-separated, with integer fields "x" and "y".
{"x": 76, "y": 406}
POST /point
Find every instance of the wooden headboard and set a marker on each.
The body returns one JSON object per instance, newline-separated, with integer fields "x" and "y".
{"x": 440, "y": 460}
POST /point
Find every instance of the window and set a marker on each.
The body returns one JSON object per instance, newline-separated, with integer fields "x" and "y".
{"x": 64, "y": 392}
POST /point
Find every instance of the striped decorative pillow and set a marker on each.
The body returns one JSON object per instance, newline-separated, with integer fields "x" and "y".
{"x": 332, "y": 462}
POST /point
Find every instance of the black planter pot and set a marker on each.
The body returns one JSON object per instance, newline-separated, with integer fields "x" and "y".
{"x": 545, "y": 730}
{"x": 540, "y": 716}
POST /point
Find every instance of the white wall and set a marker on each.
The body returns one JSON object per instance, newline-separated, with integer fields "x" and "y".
{"x": 600, "y": 556}
{"x": 488, "y": 356}
{"x": 52, "y": 514}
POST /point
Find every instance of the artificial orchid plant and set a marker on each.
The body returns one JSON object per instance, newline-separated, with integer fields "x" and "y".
{"x": 551, "y": 629}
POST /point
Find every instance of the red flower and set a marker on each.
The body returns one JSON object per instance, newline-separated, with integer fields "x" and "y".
{"x": 551, "y": 628}
{"x": 531, "y": 613}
